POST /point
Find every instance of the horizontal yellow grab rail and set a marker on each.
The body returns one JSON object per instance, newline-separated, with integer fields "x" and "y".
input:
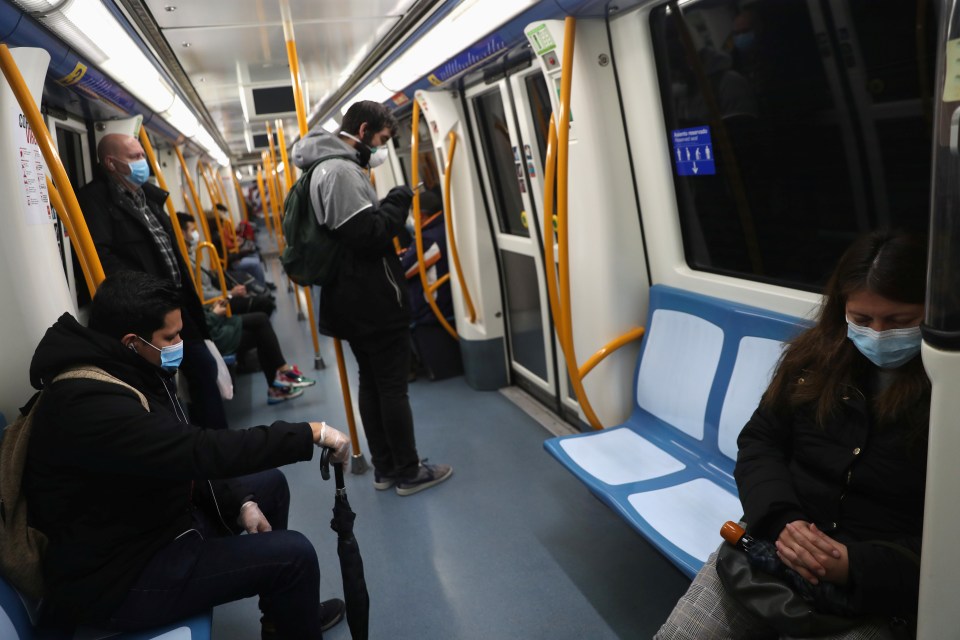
{"x": 610, "y": 347}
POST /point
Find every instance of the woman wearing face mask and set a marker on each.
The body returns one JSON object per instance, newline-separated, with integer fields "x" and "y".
{"x": 832, "y": 465}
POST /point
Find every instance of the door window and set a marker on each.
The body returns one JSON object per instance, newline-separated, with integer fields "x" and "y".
{"x": 503, "y": 163}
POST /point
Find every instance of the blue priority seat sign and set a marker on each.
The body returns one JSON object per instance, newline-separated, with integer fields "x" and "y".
{"x": 693, "y": 151}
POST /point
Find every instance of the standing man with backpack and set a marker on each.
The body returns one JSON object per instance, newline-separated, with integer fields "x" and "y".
{"x": 364, "y": 298}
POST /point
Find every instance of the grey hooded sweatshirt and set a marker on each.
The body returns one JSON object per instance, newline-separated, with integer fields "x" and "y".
{"x": 368, "y": 297}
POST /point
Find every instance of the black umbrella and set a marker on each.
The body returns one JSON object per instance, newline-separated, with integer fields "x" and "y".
{"x": 351, "y": 564}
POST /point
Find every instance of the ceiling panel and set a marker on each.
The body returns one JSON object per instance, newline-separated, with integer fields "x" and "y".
{"x": 201, "y": 14}
{"x": 217, "y": 48}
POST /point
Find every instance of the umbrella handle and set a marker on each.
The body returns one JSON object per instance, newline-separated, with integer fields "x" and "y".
{"x": 325, "y": 463}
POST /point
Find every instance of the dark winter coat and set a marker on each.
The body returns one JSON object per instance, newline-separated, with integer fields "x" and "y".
{"x": 369, "y": 295}
{"x": 858, "y": 482}
{"x": 124, "y": 243}
{"x": 110, "y": 484}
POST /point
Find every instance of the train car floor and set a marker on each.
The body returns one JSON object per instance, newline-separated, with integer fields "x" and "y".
{"x": 512, "y": 546}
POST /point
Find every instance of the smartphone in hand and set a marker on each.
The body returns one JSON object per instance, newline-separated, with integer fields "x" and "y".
{"x": 419, "y": 188}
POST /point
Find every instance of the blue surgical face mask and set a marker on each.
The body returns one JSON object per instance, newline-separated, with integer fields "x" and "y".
{"x": 139, "y": 171}
{"x": 887, "y": 349}
{"x": 170, "y": 356}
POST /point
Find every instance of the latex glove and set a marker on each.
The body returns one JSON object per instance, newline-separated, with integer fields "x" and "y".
{"x": 252, "y": 519}
{"x": 326, "y": 436}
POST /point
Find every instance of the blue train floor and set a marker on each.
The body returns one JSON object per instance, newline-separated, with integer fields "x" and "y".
{"x": 512, "y": 546}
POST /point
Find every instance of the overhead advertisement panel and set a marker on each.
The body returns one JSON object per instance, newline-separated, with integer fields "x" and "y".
{"x": 468, "y": 59}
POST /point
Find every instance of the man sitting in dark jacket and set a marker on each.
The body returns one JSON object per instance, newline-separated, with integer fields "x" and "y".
{"x": 132, "y": 232}
{"x": 139, "y": 506}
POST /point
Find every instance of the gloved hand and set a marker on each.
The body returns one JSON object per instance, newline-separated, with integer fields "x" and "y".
{"x": 400, "y": 193}
{"x": 252, "y": 519}
{"x": 326, "y": 436}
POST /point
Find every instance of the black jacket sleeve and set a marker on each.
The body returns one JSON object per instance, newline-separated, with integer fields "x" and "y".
{"x": 884, "y": 577}
{"x": 763, "y": 477}
{"x": 370, "y": 233}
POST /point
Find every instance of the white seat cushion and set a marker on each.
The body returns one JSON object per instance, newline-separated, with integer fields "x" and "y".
{"x": 689, "y": 515}
{"x": 619, "y": 456}
{"x": 756, "y": 360}
{"x": 679, "y": 362}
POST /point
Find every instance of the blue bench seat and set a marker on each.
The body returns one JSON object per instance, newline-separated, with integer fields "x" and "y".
{"x": 668, "y": 470}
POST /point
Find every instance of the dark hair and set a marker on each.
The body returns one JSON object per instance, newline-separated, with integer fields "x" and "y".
{"x": 820, "y": 365}
{"x": 184, "y": 218}
{"x": 132, "y": 302}
{"x": 374, "y": 114}
{"x": 430, "y": 202}
{"x": 220, "y": 207}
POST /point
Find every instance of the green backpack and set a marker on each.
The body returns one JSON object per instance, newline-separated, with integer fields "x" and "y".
{"x": 312, "y": 252}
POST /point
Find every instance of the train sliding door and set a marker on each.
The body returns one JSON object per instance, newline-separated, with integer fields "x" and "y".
{"x": 506, "y": 171}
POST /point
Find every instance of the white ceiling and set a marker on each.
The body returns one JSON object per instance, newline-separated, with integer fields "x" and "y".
{"x": 332, "y": 37}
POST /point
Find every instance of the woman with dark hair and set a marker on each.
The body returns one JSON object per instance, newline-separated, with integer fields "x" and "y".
{"x": 832, "y": 464}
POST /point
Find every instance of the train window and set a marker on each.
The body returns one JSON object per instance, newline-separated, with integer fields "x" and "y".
{"x": 428, "y": 161}
{"x": 541, "y": 109}
{"x": 794, "y": 127}
{"x": 502, "y": 166}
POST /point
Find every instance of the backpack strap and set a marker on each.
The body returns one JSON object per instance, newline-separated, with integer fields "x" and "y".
{"x": 91, "y": 372}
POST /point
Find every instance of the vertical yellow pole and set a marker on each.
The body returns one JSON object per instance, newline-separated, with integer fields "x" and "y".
{"x": 198, "y": 208}
{"x": 359, "y": 464}
{"x": 243, "y": 201}
{"x": 263, "y": 201}
{"x": 202, "y": 170}
{"x": 72, "y": 208}
{"x": 287, "y": 167}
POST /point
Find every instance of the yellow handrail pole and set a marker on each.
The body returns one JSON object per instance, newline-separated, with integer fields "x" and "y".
{"x": 202, "y": 170}
{"x": 171, "y": 210}
{"x": 359, "y": 463}
{"x": 68, "y": 223}
{"x": 563, "y": 153}
{"x": 243, "y": 201}
{"x": 274, "y": 201}
{"x": 448, "y": 208}
{"x": 214, "y": 175}
{"x": 287, "y": 169}
{"x": 274, "y": 175}
{"x": 610, "y": 347}
{"x": 549, "y": 233}
{"x": 198, "y": 208}
{"x": 72, "y": 208}
{"x": 417, "y": 215}
{"x": 197, "y": 281}
{"x": 263, "y": 201}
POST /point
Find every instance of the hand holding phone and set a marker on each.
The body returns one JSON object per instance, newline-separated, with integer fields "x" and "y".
{"x": 419, "y": 188}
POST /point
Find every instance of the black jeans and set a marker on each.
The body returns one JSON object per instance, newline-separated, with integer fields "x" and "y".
{"x": 204, "y": 567}
{"x": 200, "y": 370}
{"x": 384, "y": 363}
{"x": 258, "y": 334}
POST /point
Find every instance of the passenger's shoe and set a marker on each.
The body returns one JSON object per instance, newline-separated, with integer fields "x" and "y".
{"x": 382, "y": 482}
{"x": 293, "y": 377}
{"x": 277, "y": 394}
{"x": 427, "y": 476}
{"x": 271, "y": 286}
{"x": 331, "y": 612}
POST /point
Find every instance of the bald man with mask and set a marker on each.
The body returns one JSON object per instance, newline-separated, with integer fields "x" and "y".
{"x": 131, "y": 232}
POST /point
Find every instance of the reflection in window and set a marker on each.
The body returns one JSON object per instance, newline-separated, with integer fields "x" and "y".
{"x": 428, "y": 162}
{"x": 503, "y": 162}
{"x": 819, "y": 118}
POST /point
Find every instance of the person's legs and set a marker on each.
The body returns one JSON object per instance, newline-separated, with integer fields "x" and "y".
{"x": 200, "y": 370}
{"x": 258, "y": 334}
{"x": 368, "y": 401}
{"x": 251, "y": 264}
{"x": 199, "y": 571}
{"x": 706, "y": 612}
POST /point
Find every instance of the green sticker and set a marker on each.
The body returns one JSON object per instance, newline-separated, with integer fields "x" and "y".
{"x": 541, "y": 39}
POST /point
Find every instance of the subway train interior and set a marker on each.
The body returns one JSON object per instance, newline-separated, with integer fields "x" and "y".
{"x": 612, "y": 174}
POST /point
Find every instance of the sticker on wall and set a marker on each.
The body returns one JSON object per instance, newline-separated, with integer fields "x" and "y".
{"x": 531, "y": 169}
{"x": 516, "y": 155}
{"x": 693, "y": 151}
{"x": 32, "y": 178}
{"x": 951, "y": 79}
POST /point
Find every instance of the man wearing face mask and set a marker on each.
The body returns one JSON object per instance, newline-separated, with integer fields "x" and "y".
{"x": 141, "y": 507}
{"x": 132, "y": 232}
{"x": 367, "y": 303}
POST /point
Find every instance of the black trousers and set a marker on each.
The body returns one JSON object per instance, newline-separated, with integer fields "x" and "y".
{"x": 384, "y": 363}
{"x": 204, "y": 567}
{"x": 258, "y": 334}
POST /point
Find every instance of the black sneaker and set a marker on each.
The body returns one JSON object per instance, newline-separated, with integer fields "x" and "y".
{"x": 331, "y": 612}
{"x": 427, "y": 476}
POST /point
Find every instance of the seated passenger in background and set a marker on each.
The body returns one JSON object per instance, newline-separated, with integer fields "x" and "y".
{"x": 246, "y": 330}
{"x": 832, "y": 465}
{"x": 246, "y": 258}
{"x": 435, "y": 257}
{"x": 140, "y": 508}
{"x": 242, "y": 298}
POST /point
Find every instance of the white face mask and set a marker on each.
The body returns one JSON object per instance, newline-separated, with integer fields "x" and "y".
{"x": 194, "y": 237}
{"x": 378, "y": 157}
